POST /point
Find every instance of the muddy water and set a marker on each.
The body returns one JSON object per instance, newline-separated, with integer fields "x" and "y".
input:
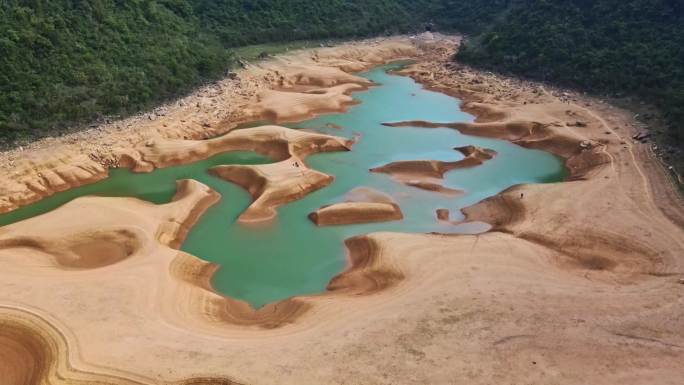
{"x": 292, "y": 256}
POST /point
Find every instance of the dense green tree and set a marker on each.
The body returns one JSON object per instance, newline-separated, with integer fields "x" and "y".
{"x": 633, "y": 47}
{"x": 70, "y": 61}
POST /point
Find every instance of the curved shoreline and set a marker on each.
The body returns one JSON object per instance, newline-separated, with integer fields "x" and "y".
{"x": 286, "y": 145}
{"x": 60, "y": 164}
{"x": 586, "y": 159}
{"x": 556, "y": 253}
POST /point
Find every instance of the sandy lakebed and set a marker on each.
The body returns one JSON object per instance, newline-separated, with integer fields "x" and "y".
{"x": 576, "y": 281}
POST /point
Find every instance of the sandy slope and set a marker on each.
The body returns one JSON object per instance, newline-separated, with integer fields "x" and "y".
{"x": 578, "y": 282}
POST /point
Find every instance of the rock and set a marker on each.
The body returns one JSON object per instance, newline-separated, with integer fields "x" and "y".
{"x": 443, "y": 214}
{"x": 641, "y": 136}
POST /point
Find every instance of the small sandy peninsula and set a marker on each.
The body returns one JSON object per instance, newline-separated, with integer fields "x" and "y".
{"x": 576, "y": 282}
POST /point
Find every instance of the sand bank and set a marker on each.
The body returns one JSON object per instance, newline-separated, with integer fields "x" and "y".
{"x": 405, "y": 170}
{"x": 362, "y": 205}
{"x": 428, "y": 174}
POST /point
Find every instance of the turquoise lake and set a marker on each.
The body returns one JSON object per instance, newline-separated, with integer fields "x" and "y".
{"x": 291, "y": 256}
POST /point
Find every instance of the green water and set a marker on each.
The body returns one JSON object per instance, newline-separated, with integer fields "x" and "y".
{"x": 291, "y": 256}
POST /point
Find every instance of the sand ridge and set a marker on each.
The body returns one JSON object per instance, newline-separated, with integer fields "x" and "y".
{"x": 361, "y": 205}
{"x": 290, "y": 106}
{"x": 272, "y": 185}
{"x": 474, "y": 156}
{"x": 577, "y": 283}
{"x": 276, "y": 142}
{"x": 428, "y": 174}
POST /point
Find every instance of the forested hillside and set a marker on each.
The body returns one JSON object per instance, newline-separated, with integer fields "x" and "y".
{"x": 633, "y": 47}
{"x": 240, "y": 22}
{"x": 63, "y": 61}
{"x": 69, "y": 61}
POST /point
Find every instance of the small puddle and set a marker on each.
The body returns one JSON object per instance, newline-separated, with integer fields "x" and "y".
{"x": 291, "y": 256}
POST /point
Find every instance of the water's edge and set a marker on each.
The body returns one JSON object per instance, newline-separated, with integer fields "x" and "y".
{"x": 294, "y": 257}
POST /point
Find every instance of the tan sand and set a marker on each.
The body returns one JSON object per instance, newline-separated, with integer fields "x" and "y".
{"x": 362, "y": 205}
{"x": 474, "y": 156}
{"x": 578, "y": 282}
{"x": 272, "y": 185}
{"x": 426, "y": 184}
{"x": 288, "y": 106}
{"x": 428, "y": 174}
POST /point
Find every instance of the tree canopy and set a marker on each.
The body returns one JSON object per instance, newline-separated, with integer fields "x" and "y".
{"x": 70, "y": 61}
{"x": 633, "y": 47}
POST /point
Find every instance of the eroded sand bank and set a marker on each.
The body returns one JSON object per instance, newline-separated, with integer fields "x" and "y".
{"x": 578, "y": 282}
{"x": 362, "y": 205}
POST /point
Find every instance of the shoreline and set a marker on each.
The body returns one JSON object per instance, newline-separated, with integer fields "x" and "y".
{"x": 579, "y": 246}
{"x": 56, "y": 164}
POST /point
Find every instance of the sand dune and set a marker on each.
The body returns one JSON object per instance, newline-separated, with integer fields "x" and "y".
{"x": 474, "y": 156}
{"x": 428, "y": 174}
{"x": 289, "y": 106}
{"x": 278, "y": 143}
{"x": 591, "y": 150}
{"x": 362, "y": 205}
{"x": 272, "y": 185}
{"x": 75, "y": 241}
{"x": 435, "y": 186}
{"x": 27, "y": 185}
{"x": 316, "y": 75}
